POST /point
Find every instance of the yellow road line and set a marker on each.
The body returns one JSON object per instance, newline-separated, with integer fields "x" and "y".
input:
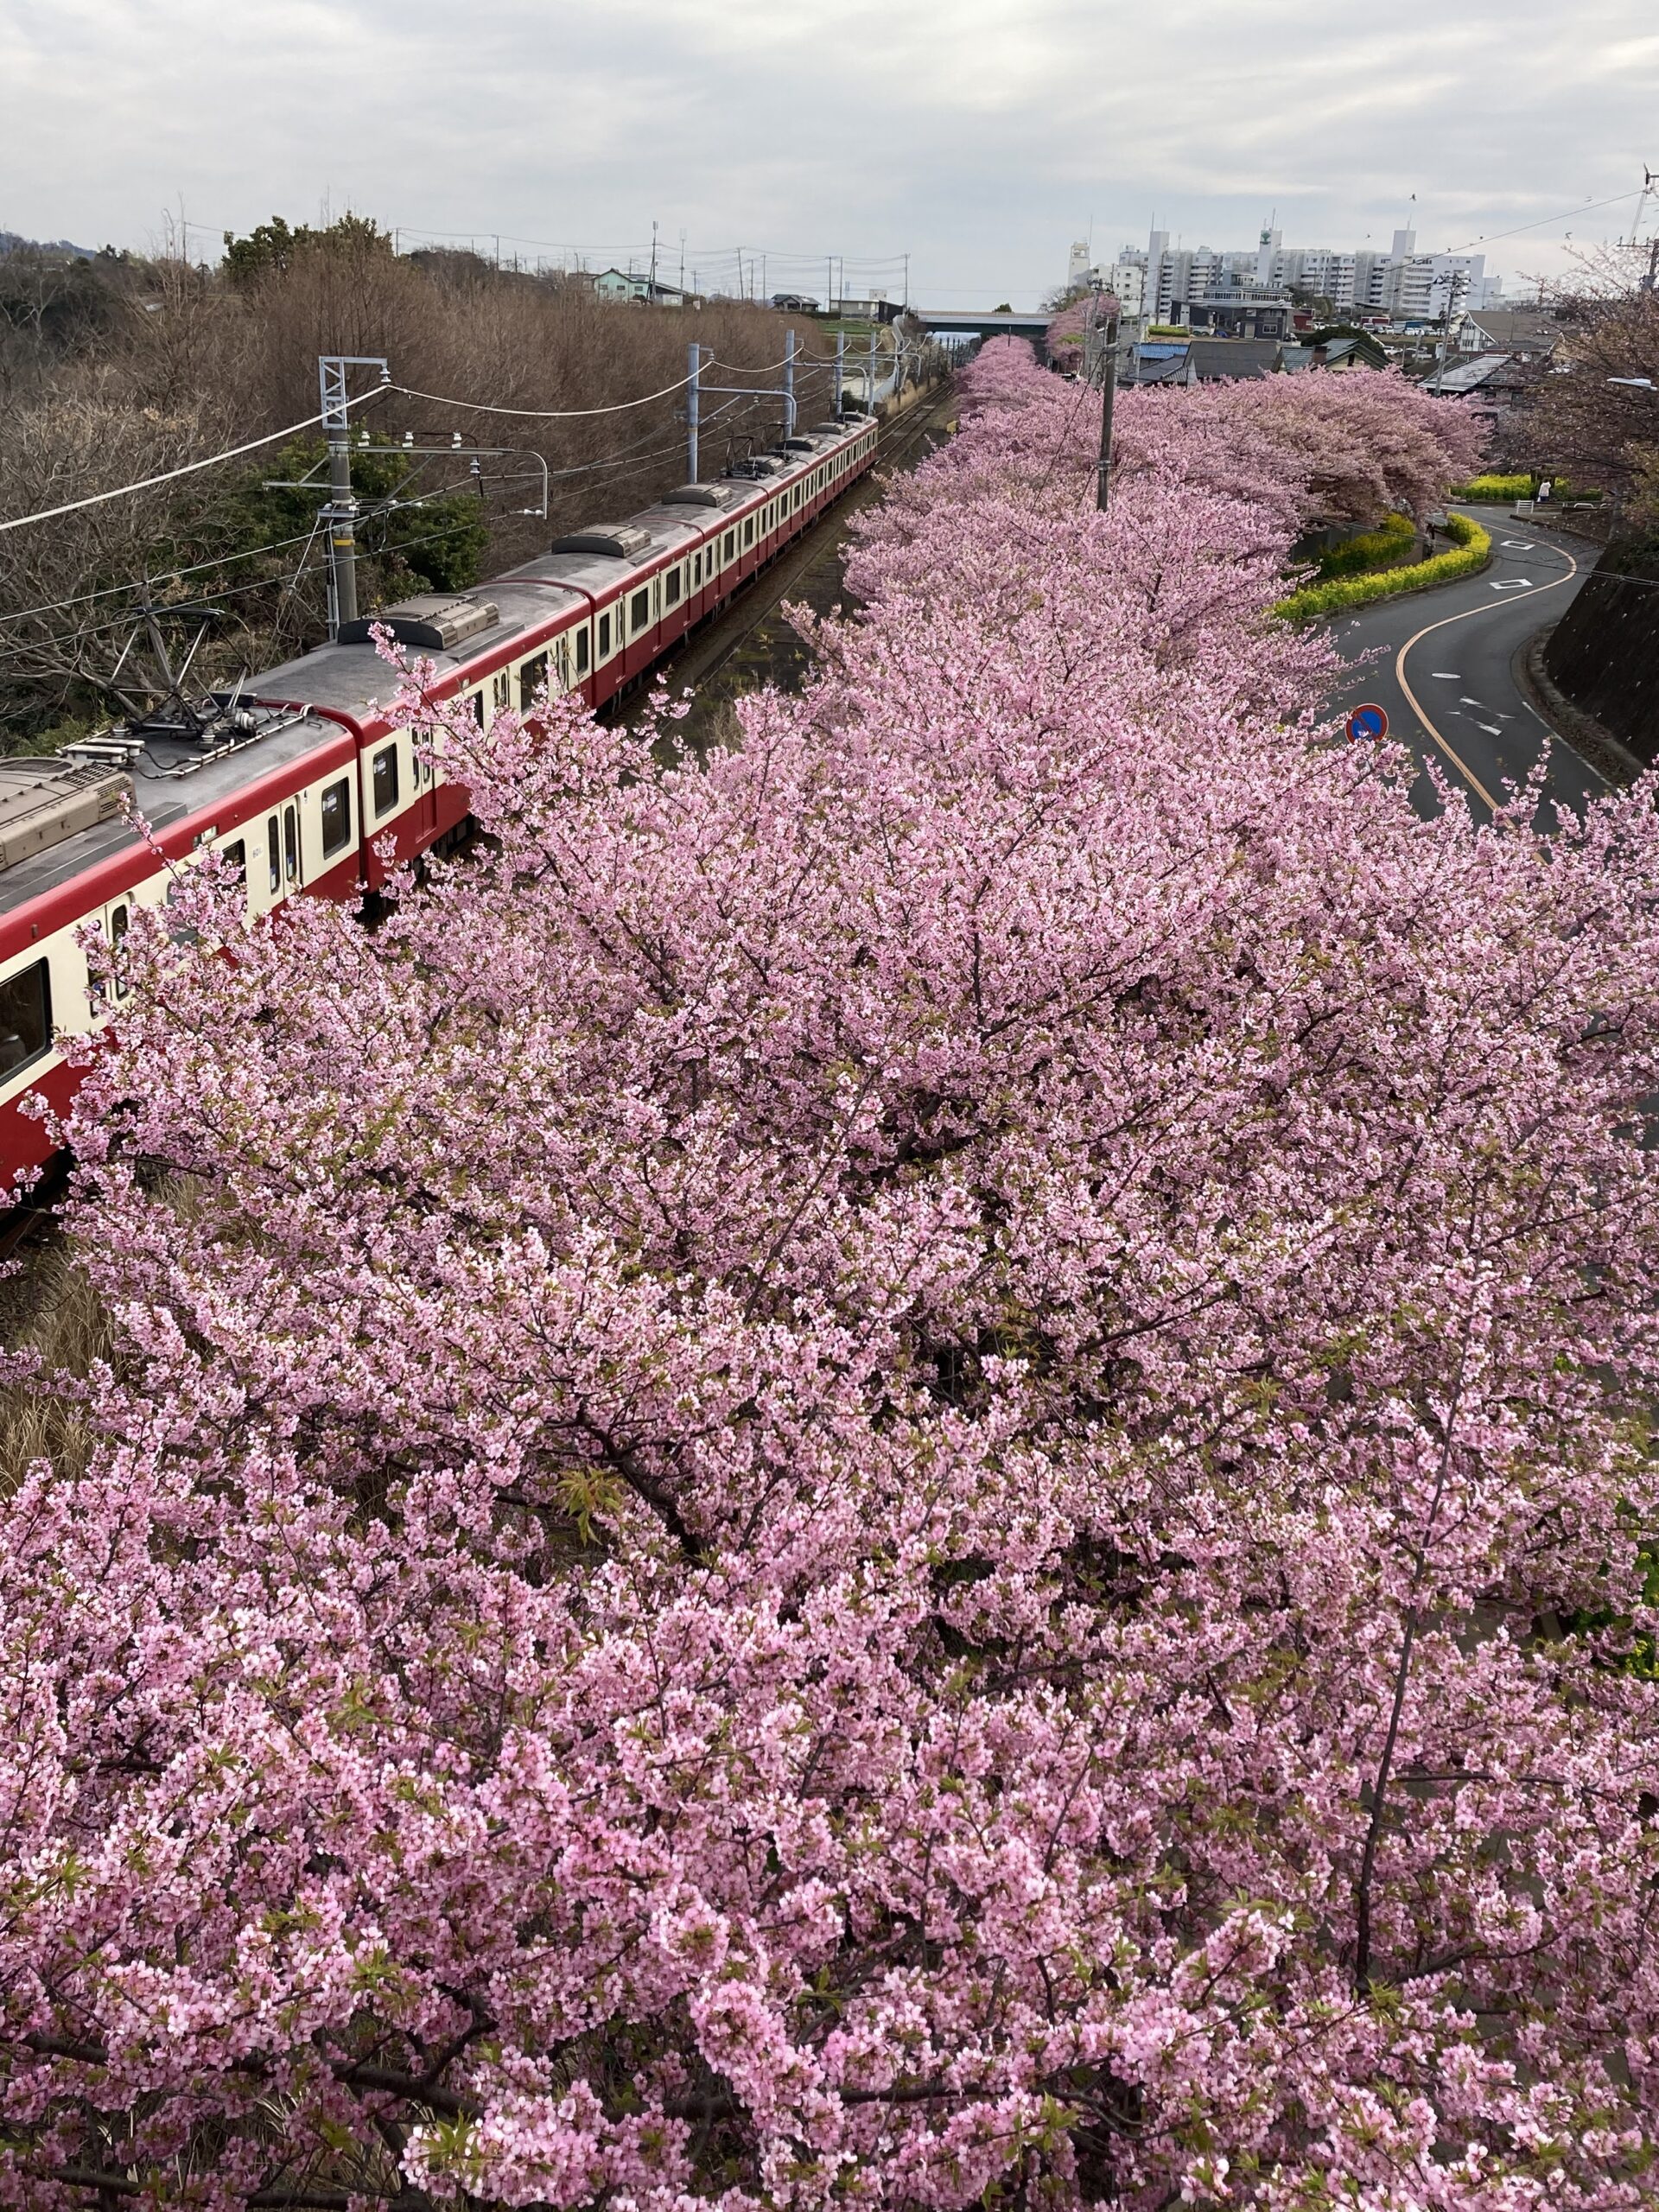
{"x": 1445, "y": 623}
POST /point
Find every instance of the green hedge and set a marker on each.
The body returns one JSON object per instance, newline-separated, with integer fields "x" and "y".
{"x": 1390, "y": 545}
{"x": 1517, "y": 487}
{"x": 1494, "y": 487}
{"x": 1473, "y": 549}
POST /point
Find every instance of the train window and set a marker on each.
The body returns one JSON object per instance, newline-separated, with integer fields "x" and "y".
{"x": 475, "y": 700}
{"x": 236, "y": 858}
{"x": 532, "y": 675}
{"x": 749, "y": 531}
{"x": 798, "y": 489}
{"x": 672, "y": 589}
{"x": 605, "y": 636}
{"x": 502, "y": 689}
{"x": 697, "y": 570}
{"x": 385, "y": 779}
{"x": 336, "y": 817}
{"x": 581, "y": 650}
{"x": 273, "y": 850}
{"x": 639, "y": 612}
{"x": 290, "y": 844}
{"x": 731, "y": 543}
{"x": 119, "y": 917}
{"x": 25, "y": 1017}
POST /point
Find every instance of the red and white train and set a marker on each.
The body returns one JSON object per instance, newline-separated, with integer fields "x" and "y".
{"x": 300, "y": 775}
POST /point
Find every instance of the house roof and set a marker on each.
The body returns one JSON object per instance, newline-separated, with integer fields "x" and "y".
{"x": 1211, "y": 358}
{"x": 1524, "y": 330}
{"x": 1331, "y": 353}
{"x": 1468, "y": 374}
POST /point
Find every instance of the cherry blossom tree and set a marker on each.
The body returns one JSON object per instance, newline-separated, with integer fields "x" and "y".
{"x": 910, "y": 1471}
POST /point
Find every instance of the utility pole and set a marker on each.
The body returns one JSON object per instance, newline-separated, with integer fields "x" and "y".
{"x": 841, "y": 370}
{"x": 906, "y": 282}
{"x": 1107, "y": 393}
{"x": 650, "y": 294}
{"x": 340, "y": 513}
{"x": 789, "y": 384}
{"x": 693, "y": 407}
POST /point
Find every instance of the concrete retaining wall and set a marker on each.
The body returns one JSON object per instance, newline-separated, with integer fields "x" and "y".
{"x": 1604, "y": 654}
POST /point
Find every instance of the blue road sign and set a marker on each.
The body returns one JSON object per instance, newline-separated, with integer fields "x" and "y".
{"x": 1369, "y": 722}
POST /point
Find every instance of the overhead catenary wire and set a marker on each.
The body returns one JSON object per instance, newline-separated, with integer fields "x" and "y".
{"x": 630, "y": 458}
{"x": 186, "y": 468}
{"x": 23, "y": 650}
{"x": 539, "y": 414}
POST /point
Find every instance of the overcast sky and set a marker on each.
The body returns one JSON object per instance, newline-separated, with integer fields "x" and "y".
{"x": 978, "y": 135}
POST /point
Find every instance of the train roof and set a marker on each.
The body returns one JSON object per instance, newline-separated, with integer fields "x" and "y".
{"x": 284, "y": 712}
{"x": 170, "y": 779}
{"x": 351, "y": 678}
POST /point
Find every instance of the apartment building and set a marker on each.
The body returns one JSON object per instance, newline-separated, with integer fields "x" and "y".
{"x": 1404, "y": 284}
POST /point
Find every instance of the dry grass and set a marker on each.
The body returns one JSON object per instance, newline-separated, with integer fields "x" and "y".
{"x": 187, "y": 364}
{"x": 59, "y": 1314}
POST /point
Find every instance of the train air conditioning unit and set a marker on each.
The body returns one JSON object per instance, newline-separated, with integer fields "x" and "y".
{"x": 45, "y": 800}
{"x": 700, "y": 495}
{"x": 434, "y": 621}
{"x": 612, "y": 541}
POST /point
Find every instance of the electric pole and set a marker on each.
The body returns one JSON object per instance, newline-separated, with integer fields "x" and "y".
{"x": 693, "y": 407}
{"x": 1107, "y": 393}
{"x": 340, "y": 513}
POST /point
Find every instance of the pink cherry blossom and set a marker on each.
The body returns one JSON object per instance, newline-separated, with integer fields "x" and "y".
{"x": 910, "y": 1471}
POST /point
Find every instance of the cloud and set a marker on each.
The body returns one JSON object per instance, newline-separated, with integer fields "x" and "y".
{"x": 981, "y": 135}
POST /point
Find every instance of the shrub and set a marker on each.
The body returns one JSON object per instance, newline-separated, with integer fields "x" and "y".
{"x": 1494, "y": 489}
{"x": 1498, "y": 488}
{"x": 1472, "y": 552}
{"x": 1390, "y": 545}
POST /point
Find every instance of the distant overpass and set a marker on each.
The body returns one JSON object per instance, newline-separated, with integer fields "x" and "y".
{"x": 963, "y": 322}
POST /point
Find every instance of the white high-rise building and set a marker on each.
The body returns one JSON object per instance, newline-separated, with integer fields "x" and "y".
{"x": 1402, "y": 283}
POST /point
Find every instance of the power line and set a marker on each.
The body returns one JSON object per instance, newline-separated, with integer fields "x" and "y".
{"x": 537, "y": 414}
{"x": 630, "y": 458}
{"x": 188, "y": 468}
{"x": 1585, "y": 207}
{"x": 200, "y": 568}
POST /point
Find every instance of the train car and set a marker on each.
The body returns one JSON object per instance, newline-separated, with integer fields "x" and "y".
{"x": 299, "y": 775}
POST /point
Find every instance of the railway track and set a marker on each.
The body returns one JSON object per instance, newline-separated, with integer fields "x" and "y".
{"x": 751, "y": 643}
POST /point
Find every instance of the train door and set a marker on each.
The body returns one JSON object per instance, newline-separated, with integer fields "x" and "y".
{"x": 118, "y": 918}
{"x": 293, "y": 873}
{"x": 426, "y": 798}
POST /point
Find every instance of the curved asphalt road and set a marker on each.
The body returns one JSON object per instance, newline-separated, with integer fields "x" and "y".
{"x": 1442, "y": 665}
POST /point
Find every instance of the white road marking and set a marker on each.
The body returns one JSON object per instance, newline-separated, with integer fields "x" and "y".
{"x": 1447, "y": 621}
{"x": 1464, "y": 700}
{"x": 1446, "y": 675}
{"x": 1513, "y": 583}
{"x": 1490, "y": 728}
{"x": 1521, "y": 544}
